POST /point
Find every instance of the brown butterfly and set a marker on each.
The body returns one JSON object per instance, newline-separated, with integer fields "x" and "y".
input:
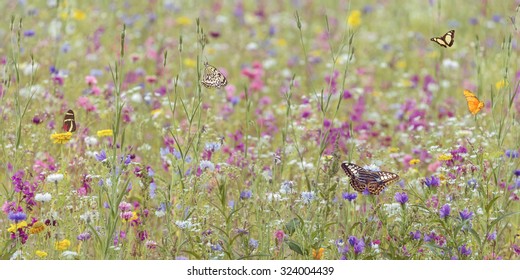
{"x": 446, "y": 40}
{"x": 69, "y": 123}
{"x": 362, "y": 179}
{"x": 212, "y": 77}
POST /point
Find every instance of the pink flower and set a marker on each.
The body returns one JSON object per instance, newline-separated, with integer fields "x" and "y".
{"x": 91, "y": 80}
{"x": 279, "y": 235}
{"x": 434, "y": 166}
{"x": 85, "y": 103}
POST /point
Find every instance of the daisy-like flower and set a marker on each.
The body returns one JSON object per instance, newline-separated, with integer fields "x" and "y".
{"x": 62, "y": 245}
{"x": 54, "y": 178}
{"x": 414, "y": 161}
{"x": 105, "y": 133}
{"x": 37, "y": 228}
{"x": 61, "y": 138}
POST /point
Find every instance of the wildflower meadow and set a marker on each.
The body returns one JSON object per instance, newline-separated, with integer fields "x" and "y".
{"x": 260, "y": 130}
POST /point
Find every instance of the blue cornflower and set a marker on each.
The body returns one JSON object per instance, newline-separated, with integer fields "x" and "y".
{"x": 17, "y": 216}
{"x": 492, "y": 236}
{"x": 472, "y": 183}
{"x": 83, "y": 236}
{"x": 415, "y": 235}
{"x": 445, "y": 211}
{"x": 432, "y": 181}
{"x": 205, "y": 164}
{"x": 401, "y": 198}
{"x": 352, "y": 240}
{"x": 307, "y": 197}
{"x": 101, "y": 156}
{"x": 466, "y": 214}
{"x": 253, "y": 244}
{"x": 246, "y": 194}
{"x": 212, "y": 146}
{"x": 349, "y": 196}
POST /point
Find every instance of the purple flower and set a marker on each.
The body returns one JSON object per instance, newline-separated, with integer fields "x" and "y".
{"x": 432, "y": 181}
{"x": 28, "y": 33}
{"x": 464, "y": 251}
{"x": 17, "y": 216}
{"x": 472, "y": 183}
{"x": 101, "y": 156}
{"x": 352, "y": 240}
{"x": 349, "y": 196}
{"x": 517, "y": 172}
{"x": 153, "y": 187}
{"x": 445, "y": 211}
{"x": 511, "y": 153}
{"x": 415, "y": 235}
{"x": 492, "y": 236}
{"x": 253, "y": 244}
{"x": 83, "y": 236}
{"x": 466, "y": 215}
{"x": 246, "y": 194}
{"x": 401, "y": 198}
{"x": 359, "y": 247}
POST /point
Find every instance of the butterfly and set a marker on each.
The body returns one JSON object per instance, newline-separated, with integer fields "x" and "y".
{"x": 474, "y": 105}
{"x": 212, "y": 77}
{"x": 69, "y": 124}
{"x": 446, "y": 40}
{"x": 374, "y": 181}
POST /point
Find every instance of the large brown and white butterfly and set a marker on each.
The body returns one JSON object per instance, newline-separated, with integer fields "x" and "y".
{"x": 212, "y": 77}
{"x": 446, "y": 40}
{"x": 362, "y": 179}
{"x": 69, "y": 123}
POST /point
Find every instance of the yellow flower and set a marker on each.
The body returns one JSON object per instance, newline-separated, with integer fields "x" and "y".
{"x": 15, "y": 227}
{"x": 37, "y": 228}
{"x": 105, "y": 133}
{"x": 61, "y": 138}
{"x": 156, "y": 112}
{"x": 500, "y": 84}
{"x": 393, "y": 150}
{"x": 354, "y": 19}
{"x": 190, "y": 62}
{"x": 62, "y": 245}
{"x": 414, "y": 161}
{"x": 445, "y": 157}
{"x": 281, "y": 42}
{"x": 183, "y": 20}
{"x": 41, "y": 254}
{"x": 78, "y": 15}
{"x": 318, "y": 255}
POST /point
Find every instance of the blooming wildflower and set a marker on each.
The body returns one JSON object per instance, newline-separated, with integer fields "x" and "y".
{"x": 472, "y": 183}
{"x": 54, "y": 178}
{"x": 216, "y": 247}
{"x": 17, "y": 216}
{"x": 125, "y": 206}
{"x": 466, "y": 214}
{"x": 78, "y": 15}
{"x": 286, "y": 187}
{"x": 511, "y": 154}
{"x": 205, "y": 164}
{"x": 105, "y": 133}
{"x": 183, "y": 20}
{"x": 279, "y": 235}
{"x": 41, "y": 254}
{"x": 318, "y": 255}
{"x": 445, "y": 157}
{"x": 415, "y": 235}
{"x": 492, "y": 236}
{"x": 62, "y": 245}
{"x": 432, "y": 181}
{"x": 307, "y": 197}
{"x": 464, "y": 251}
{"x": 212, "y": 146}
{"x": 183, "y": 224}
{"x": 14, "y": 227}
{"x": 84, "y": 236}
{"x": 500, "y": 84}
{"x": 359, "y": 247}
{"x": 246, "y": 194}
{"x": 401, "y": 197}
{"x": 516, "y": 249}
{"x": 45, "y": 197}
{"x": 180, "y": 258}
{"x": 253, "y": 244}
{"x": 101, "y": 156}
{"x": 61, "y": 138}
{"x": 517, "y": 172}
{"x": 445, "y": 211}
{"x": 414, "y": 161}
{"x": 354, "y": 19}
{"x": 37, "y": 228}
{"x": 349, "y": 196}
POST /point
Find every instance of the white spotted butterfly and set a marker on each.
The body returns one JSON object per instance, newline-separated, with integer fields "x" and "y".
{"x": 362, "y": 179}
{"x": 212, "y": 77}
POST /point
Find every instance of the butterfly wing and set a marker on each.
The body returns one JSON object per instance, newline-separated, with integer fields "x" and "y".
{"x": 69, "y": 123}
{"x": 212, "y": 77}
{"x": 474, "y": 104}
{"x": 381, "y": 180}
{"x": 446, "y": 40}
{"x": 353, "y": 172}
{"x": 374, "y": 181}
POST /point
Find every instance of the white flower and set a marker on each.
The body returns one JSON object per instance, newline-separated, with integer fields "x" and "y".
{"x": 54, "y": 178}
{"x": 91, "y": 141}
{"x": 307, "y": 197}
{"x": 69, "y": 255}
{"x": 43, "y": 197}
{"x": 160, "y": 213}
{"x": 183, "y": 224}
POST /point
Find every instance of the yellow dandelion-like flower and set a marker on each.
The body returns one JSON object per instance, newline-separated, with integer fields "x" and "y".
{"x": 37, "y": 228}
{"x": 78, "y": 15}
{"x": 105, "y": 133}
{"x": 442, "y": 177}
{"x": 15, "y": 227}
{"x": 354, "y": 19}
{"x": 62, "y": 245}
{"x": 500, "y": 84}
{"x": 281, "y": 42}
{"x": 414, "y": 161}
{"x": 183, "y": 21}
{"x": 41, "y": 254}
{"x": 445, "y": 157}
{"x": 393, "y": 150}
{"x": 188, "y": 62}
{"x": 61, "y": 138}
{"x": 318, "y": 255}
